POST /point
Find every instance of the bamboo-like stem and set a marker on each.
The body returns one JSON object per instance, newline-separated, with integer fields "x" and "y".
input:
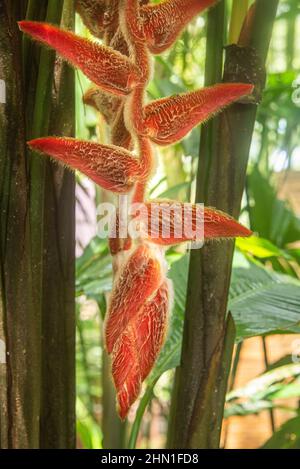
{"x": 200, "y": 381}
{"x": 37, "y": 243}
{"x": 238, "y": 14}
{"x": 52, "y": 200}
{"x": 38, "y": 127}
{"x": 19, "y": 374}
{"x": 179, "y": 436}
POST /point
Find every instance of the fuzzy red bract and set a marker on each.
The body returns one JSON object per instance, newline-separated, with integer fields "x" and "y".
{"x": 164, "y": 22}
{"x": 109, "y": 69}
{"x": 168, "y": 120}
{"x": 139, "y": 278}
{"x": 152, "y": 327}
{"x": 138, "y": 347}
{"x": 113, "y": 168}
{"x": 137, "y": 316}
{"x": 170, "y": 222}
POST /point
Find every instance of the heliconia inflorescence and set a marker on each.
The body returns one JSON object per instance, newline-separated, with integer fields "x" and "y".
{"x": 132, "y": 30}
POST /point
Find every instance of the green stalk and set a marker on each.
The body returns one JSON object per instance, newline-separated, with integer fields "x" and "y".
{"x": 19, "y": 374}
{"x": 114, "y": 430}
{"x": 85, "y": 365}
{"x": 238, "y": 14}
{"x": 57, "y": 421}
{"x": 235, "y": 365}
{"x": 35, "y": 11}
{"x": 40, "y": 125}
{"x": 267, "y": 364}
{"x": 188, "y": 377}
{"x": 139, "y": 414}
{"x": 201, "y": 380}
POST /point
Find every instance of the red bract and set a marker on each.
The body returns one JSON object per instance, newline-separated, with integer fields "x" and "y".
{"x": 136, "y": 350}
{"x": 113, "y": 168}
{"x": 136, "y": 320}
{"x": 170, "y": 222}
{"x": 138, "y": 280}
{"x": 109, "y": 69}
{"x": 163, "y": 23}
{"x": 168, "y": 120}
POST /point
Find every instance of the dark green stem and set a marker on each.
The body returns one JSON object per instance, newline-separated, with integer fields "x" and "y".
{"x": 114, "y": 430}
{"x": 37, "y": 240}
{"x": 267, "y": 364}
{"x": 57, "y": 425}
{"x": 139, "y": 415}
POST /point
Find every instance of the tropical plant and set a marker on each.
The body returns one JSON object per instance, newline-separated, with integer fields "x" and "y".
{"x": 141, "y": 296}
{"x": 170, "y": 379}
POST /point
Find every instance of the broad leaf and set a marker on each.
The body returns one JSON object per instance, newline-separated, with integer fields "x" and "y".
{"x": 93, "y": 270}
{"x": 263, "y": 392}
{"x": 260, "y": 301}
{"x": 247, "y": 408}
{"x": 263, "y": 386}
{"x": 287, "y": 437}
{"x": 260, "y": 248}
{"x": 270, "y": 217}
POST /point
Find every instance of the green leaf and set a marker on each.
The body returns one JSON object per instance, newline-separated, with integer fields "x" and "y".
{"x": 247, "y": 408}
{"x": 261, "y": 393}
{"x": 287, "y": 391}
{"x": 260, "y": 247}
{"x": 270, "y": 217}
{"x": 88, "y": 429}
{"x": 262, "y": 301}
{"x": 259, "y": 388}
{"x": 93, "y": 270}
{"x": 172, "y": 192}
{"x": 287, "y": 437}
